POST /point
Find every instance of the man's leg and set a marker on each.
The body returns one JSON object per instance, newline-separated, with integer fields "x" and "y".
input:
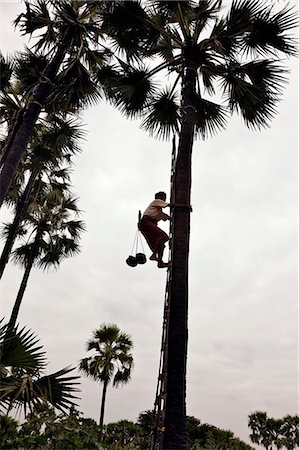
{"x": 161, "y": 264}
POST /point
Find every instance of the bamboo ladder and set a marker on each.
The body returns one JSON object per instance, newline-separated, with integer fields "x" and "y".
{"x": 161, "y": 392}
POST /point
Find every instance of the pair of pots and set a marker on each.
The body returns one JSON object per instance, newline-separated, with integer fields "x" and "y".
{"x": 132, "y": 261}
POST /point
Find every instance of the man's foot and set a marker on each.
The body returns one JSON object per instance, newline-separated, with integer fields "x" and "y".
{"x": 154, "y": 257}
{"x": 162, "y": 264}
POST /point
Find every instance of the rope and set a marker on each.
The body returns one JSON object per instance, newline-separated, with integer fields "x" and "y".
{"x": 135, "y": 242}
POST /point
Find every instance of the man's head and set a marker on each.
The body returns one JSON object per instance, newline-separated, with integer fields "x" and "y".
{"x": 161, "y": 196}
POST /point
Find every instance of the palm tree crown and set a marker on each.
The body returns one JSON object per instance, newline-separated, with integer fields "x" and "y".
{"x": 234, "y": 57}
{"x": 111, "y": 360}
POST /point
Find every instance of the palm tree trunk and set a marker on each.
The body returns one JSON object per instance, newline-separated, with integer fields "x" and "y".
{"x": 12, "y": 129}
{"x": 103, "y": 404}
{"x": 29, "y": 265}
{"x": 30, "y": 116}
{"x": 21, "y": 208}
{"x": 175, "y": 435}
{"x": 16, "y": 307}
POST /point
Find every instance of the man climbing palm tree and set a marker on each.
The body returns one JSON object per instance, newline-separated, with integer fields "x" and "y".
{"x": 154, "y": 236}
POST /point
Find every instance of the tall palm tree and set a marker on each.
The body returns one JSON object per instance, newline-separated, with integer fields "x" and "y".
{"x": 111, "y": 360}
{"x": 52, "y": 146}
{"x": 70, "y": 29}
{"x": 232, "y": 57}
{"x": 51, "y": 235}
{"x": 22, "y": 383}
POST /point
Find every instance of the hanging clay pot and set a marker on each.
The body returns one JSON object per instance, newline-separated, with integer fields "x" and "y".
{"x": 131, "y": 261}
{"x": 140, "y": 258}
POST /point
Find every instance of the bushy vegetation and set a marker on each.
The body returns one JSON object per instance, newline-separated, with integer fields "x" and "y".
{"x": 44, "y": 429}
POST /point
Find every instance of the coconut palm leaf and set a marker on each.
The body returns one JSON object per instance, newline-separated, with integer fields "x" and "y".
{"x": 163, "y": 116}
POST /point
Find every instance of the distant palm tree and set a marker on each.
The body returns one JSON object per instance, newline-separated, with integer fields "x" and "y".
{"x": 22, "y": 383}
{"x": 111, "y": 361}
{"x": 52, "y": 235}
{"x": 215, "y": 62}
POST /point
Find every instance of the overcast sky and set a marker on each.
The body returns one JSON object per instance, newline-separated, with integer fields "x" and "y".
{"x": 243, "y": 307}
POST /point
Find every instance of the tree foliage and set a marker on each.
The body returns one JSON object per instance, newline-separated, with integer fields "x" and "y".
{"x": 274, "y": 433}
{"x": 23, "y": 382}
{"x": 45, "y": 429}
{"x": 111, "y": 360}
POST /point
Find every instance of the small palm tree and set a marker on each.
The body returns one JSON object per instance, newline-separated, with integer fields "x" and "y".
{"x": 22, "y": 383}
{"x": 52, "y": 147}
{"x": 51, "y": 234}
{"x": 111, "y": 361}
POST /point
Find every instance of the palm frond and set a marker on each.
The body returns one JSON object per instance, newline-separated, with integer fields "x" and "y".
{"x": 203, "y": 13}
{"x": 9, "y": 106}
{"x": 241, "y": 15}
{"x": 268, "y": 32}
{"x": 19, "y": 349}
{"x": 96, "y": 58}
{"x": 162, "y": 119}
{"x": 63, "y": 134}
{"x": 74, "y": 227}
{"x": 210, "y": 117}
{"x": 128, "y": 24}
{"x": 209, "y": 72}
{"x": 266, "y": 74}
{"x": 170, "y": 8}
{"x": 106, "y": 333}
{"x": 6, "y": 71}
{"x": 27, "y": 391}
{"x": 75, "y": 88}
{"x": 37, "y": 16}
{"x": 59, "y": 248}
{"x": 253, "y": 90}
{"x": 23, "y": 254}
{"x": 57, "y": 389}
{"x": 135, "y": 88}
{"x": 28, "y": 68}
{"x": 122, "y": 377}
{"x": 163, "y": 48}
{"x": 108, "y": 78}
